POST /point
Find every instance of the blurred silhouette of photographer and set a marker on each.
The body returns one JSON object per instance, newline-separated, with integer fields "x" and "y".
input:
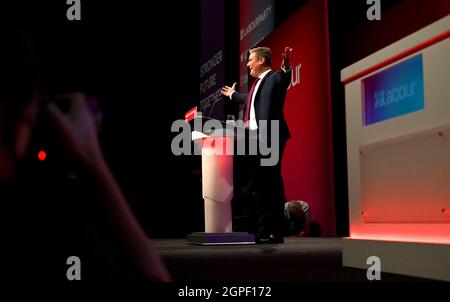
{"x": 39, "y": 238}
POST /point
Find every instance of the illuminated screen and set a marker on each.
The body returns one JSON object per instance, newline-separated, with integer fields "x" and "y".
{"x": 394, "y": 91}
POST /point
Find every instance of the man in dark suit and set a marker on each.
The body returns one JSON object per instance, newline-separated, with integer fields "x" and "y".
{"x": 264, "y": 119}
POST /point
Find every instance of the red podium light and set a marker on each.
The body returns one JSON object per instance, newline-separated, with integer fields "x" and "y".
{"x": 42, "y": 155}
{"x": 191, "y": 114}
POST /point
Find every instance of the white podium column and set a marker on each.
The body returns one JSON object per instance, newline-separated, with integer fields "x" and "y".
{"x": 217, "y": 183}
{"x": 217, "y": 187}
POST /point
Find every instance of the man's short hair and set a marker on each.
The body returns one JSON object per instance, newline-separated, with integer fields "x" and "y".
{"x": 263, "y": 52}
{"x": 296, "y": 215}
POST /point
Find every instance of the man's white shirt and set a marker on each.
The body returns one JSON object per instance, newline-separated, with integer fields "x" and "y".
{"x": 252, "y": 124}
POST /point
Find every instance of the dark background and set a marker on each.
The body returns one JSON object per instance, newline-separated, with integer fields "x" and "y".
{"x": 141, "y": 61}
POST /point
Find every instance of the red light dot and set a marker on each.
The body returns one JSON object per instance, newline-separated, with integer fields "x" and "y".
{"x": 446, "y": 212}
{"x": 42, "y": 155}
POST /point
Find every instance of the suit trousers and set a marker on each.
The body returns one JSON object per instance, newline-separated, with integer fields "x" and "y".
{"x": 259, "y": 192}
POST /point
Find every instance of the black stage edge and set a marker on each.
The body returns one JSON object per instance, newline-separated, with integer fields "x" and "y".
{"x": 201, "y": 238}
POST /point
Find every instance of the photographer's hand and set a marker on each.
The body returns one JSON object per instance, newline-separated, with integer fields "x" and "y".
{"x": 76, "y": 129}
{"x": 77, "y": 132}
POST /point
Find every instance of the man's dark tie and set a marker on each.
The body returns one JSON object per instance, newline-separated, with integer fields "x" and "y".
{"x": 249, "y": 101}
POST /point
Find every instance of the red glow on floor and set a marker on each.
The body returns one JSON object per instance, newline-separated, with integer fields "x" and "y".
{"x": 42, "y": 155}
{"x": 437, "y": 233}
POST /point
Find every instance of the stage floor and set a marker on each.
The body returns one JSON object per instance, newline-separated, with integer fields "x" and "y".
{"x": 298, "y": 259}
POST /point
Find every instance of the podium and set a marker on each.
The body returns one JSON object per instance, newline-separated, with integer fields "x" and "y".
{"x": 398, "y": 129}
{"x": 217, "y": 140}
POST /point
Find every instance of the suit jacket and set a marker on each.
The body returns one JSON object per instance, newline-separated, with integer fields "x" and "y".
{"x": 269, "y": 101}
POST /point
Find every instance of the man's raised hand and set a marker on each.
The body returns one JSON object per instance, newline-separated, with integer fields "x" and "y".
{"x": 287, "y": 55}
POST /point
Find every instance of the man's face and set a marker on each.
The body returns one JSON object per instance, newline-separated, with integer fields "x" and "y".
{"x": 254, "y": 64}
